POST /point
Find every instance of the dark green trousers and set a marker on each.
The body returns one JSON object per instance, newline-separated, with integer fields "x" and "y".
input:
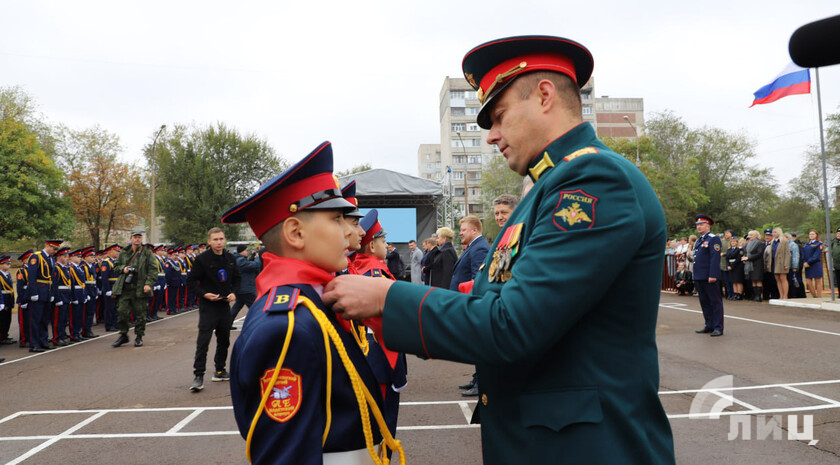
{"x": 128, "y": 302}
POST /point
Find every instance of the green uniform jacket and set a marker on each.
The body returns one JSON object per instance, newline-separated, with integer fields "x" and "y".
{"x": 146, "y": 271}
{"x": 565, "y": 350}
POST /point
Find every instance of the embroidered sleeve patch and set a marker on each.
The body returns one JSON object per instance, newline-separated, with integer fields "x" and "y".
{"x": 579, "y": 153}
{"x": 282, "y": 299}
{"x": 575, "y": 210}
{"x": 104, "y": 268}
{"x": 376, "y": 273}
{"x": 284, "y": 401}
{"x": 717, "y": 247}
{"x": 34, "y": 261}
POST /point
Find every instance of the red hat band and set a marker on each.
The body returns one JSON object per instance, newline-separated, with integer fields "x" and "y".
{"x": 507, "y": 69}
{"x": 371, "y": 235}
{"x": 280, "y": 205}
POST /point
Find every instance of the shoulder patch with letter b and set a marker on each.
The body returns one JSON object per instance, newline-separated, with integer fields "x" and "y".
{"x": 281, "y": 299}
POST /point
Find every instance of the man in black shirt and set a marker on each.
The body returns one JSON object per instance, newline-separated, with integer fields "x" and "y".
{"x": 214, "y": 279}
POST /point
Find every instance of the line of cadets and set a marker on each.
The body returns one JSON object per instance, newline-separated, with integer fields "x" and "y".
{"x": 79, "y": 284}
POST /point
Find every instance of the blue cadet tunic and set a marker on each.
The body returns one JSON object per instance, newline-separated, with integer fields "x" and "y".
{"x": 707, "y": 265}
{"x": 290, "y": 429}
{"x": 562, "y": 332}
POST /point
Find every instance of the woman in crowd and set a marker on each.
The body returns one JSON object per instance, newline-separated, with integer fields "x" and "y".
{"x": 812, "y": 262}
{"x": 735, "y": 269}
{"x": 754, "y": 263}
{"x": 689, "y": 256}
{"x": 443, "y": 263}
{"x": 777, "y": 261}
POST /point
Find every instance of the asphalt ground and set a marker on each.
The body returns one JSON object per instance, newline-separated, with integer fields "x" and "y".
{"x": 93, "y": 404}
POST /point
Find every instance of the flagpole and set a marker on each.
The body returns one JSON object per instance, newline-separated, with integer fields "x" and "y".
{"x": 825, "y": 186}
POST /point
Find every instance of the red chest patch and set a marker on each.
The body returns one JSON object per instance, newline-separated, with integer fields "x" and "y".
{"x": 285, "y": 397}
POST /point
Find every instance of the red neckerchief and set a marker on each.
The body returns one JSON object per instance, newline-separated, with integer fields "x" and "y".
{"x": 366, "y": 262}
{"x": 351, "y": 267}
{"x": 278, "y": 271}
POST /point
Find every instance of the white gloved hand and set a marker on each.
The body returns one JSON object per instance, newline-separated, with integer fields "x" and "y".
{"x": 52, "y": 299}
{"x": 75, "y": 302}
{"x": 108, "y": 294}
{"x": 59, "y": 304}
{"x": 34, "y": 298}
{"x": 2, "y": 307}
{"x": 24, "y": 305}
{"x": 87, "y": 298}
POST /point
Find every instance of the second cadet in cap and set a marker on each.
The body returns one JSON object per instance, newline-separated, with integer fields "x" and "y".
{"x": 7, "y": 300}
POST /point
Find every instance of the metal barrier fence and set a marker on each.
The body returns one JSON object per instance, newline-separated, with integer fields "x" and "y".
{"x": 669, "y": 270}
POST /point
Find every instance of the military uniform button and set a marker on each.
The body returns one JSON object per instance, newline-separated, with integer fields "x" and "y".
{"x": 484, "y": 399}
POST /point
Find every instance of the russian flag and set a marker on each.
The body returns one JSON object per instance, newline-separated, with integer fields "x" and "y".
{"x": 792, "y": 80}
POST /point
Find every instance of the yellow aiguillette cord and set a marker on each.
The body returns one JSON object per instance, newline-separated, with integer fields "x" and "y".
{"x": 363, "y": 397}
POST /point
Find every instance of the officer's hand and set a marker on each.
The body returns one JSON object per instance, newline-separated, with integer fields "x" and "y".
{"x": 24, "y": 305}
{"x": 231, "y": 297}
{"x": 59, "y": 304}
{"x": 712, "y": 280}
{"x": 34, "y": 298}
{"x": 358, "y": 297}
{"x": 108, "y": 294}
{"x": 52, "y": 299}
{"x": 147, "y": 289}
{"x": 75, "y": 302}
{"x": 87, "y": 298}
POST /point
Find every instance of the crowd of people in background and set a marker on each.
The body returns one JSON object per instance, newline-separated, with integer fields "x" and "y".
{"x": 775, "y": 265}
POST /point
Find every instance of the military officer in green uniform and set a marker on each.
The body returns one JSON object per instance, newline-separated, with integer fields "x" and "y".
{"x": 137, "y": 274}
{"x": 562, "y": 330}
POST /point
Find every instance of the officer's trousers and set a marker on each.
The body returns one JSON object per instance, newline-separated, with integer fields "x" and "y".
{"x": 212, "y": 318}
{"x": 23, "y": 324}
{"x": 710, "y": 303}
{"x": 128, "y": 302}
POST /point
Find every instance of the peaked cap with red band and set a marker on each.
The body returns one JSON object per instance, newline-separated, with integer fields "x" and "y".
{"x": 370, "y": 223}
{"x": 62, "y": 251}
{"x": 76, "y": 253}
{"x": 308, "y": 185}
{"x": 88, "y": 252}
{"x": 349, "y": 194}
{"x": 25, "y": 255}
{"x": 53, "y": 242}
{"x": 703, "y": 219}
{"x": 492, "y": 66}
{"x": 5, "y": 259}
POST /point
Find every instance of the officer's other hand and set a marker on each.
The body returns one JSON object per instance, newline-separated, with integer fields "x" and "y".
{"x": 34, "y": 298}
{"x": 231, "y": 297}
{"x": 358, "y": 297}
{"x": 147, "y": 289}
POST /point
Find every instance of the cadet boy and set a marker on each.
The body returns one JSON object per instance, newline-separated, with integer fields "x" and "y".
{"x": 41, "y": 269}
{"x": 134, "y": 287}
{"x": 77, "y": 296}
{"x": 294, "y": 402}
{"x": 563, "y": 337}
{"x": 22, "y": 284}
{"x": 91, "y": 292}
{"x": 63, "y": 286}
{"x": 7, "y": 300}
{"x": 109, "y": 277}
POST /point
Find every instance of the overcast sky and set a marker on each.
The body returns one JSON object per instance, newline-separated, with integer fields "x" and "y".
{"x": 366, "y": 75}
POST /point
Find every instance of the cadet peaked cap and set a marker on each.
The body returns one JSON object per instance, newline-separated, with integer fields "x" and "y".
{"x": 349, "y": 194}
{"x": 5, "y": 259}
{"x": 62, "y": 251}
{"x": 373, "y": 229}
{"x": 76, "y": 253}
{"x": 768, "y": 232}
{"x": 25, "y": 255}
{"x": 53, "y": 242}
{"x": 308, "y": 185}
{"x": 87, "y": 252}
{"x": 492, "y": 66}
{"x": 699, "y": 219}
{"x": 113, "y": 247}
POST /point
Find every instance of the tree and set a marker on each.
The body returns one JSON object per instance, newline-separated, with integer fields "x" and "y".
{"x": 354, "y": 170}
{"x": 105, "y": 193}
{"x": 202, "y": 172}
{"x": 496, "y": 179}
{"x": 32, "y": 205}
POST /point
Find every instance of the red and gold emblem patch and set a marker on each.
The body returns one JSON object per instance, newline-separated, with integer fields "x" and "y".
{"x": 34, "y": 261}
{"x": 284, "y": 399}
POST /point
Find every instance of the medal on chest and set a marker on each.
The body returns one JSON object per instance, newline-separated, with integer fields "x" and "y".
{"x": 506, "y": 250}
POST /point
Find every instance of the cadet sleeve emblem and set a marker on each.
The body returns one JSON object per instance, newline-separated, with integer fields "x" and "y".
{"x": 717, "y": 247}
{"x": 579, "y": 153}
{"x": 376, "y": 273}
{"x": 285, "y": 397}
{"x": 281, "y": 299}
{"x": 104, "y": 268}
{"x": 575, "y": 210}
{"x": 34, "y": 261}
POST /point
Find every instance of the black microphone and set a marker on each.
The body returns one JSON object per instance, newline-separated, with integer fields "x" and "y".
{"x": 816, "y": 44}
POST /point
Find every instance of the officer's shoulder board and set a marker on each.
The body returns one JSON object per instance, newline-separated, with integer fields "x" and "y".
{"x": 281, "y": 299}
{"x": 580, "y": 153}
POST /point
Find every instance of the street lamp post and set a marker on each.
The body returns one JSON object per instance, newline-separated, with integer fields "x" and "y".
{"x": 627, "y": 118}
{"x": 152, "y": 223}
{"x": 466, "y": 195}
{"x": 450, "y": 215}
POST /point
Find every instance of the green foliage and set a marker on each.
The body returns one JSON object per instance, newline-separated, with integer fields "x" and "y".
{"x": 202, "y": 172}
{"x": 496, "y": 179}
{"x": 31, "y": 183}
{"x": 354, "y": 170}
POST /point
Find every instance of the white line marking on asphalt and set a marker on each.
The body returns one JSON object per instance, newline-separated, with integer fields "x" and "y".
{"x": 465, "y": 409}
{"x": 812, "y": 395}
{"x": 57, "y": 438}
{"x": 435, "y": 427}
{"x": 752, "y": 412}
{"x": 734, "y": 400}
{"x": 746, "y": 388}
{"x": 185, "y": 421}
{"x": 124, "y": 435}
{"x": 753, "y": 321}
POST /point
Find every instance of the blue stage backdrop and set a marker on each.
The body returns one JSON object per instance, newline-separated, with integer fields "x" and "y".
{"x": 399, "y": 223}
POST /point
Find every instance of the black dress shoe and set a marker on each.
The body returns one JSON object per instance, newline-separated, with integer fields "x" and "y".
{"x": 467, "y": 386}
{"x": 472, "y": 392}
{"x": 61, "y": 343}
{"x": 123, "y": 339}
{"x": 138, "y": 342}
{"x": 716, "y": 333}
{"x": 36, "y": 349}
{"x": 49, "y": 346}
{"x": 8, "y": 340}
{"x": 91, "y": 335}
{"x": 703, "y": 331}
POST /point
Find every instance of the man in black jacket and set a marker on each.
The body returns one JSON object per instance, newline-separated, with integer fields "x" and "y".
{"x": 215, "y": 279}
